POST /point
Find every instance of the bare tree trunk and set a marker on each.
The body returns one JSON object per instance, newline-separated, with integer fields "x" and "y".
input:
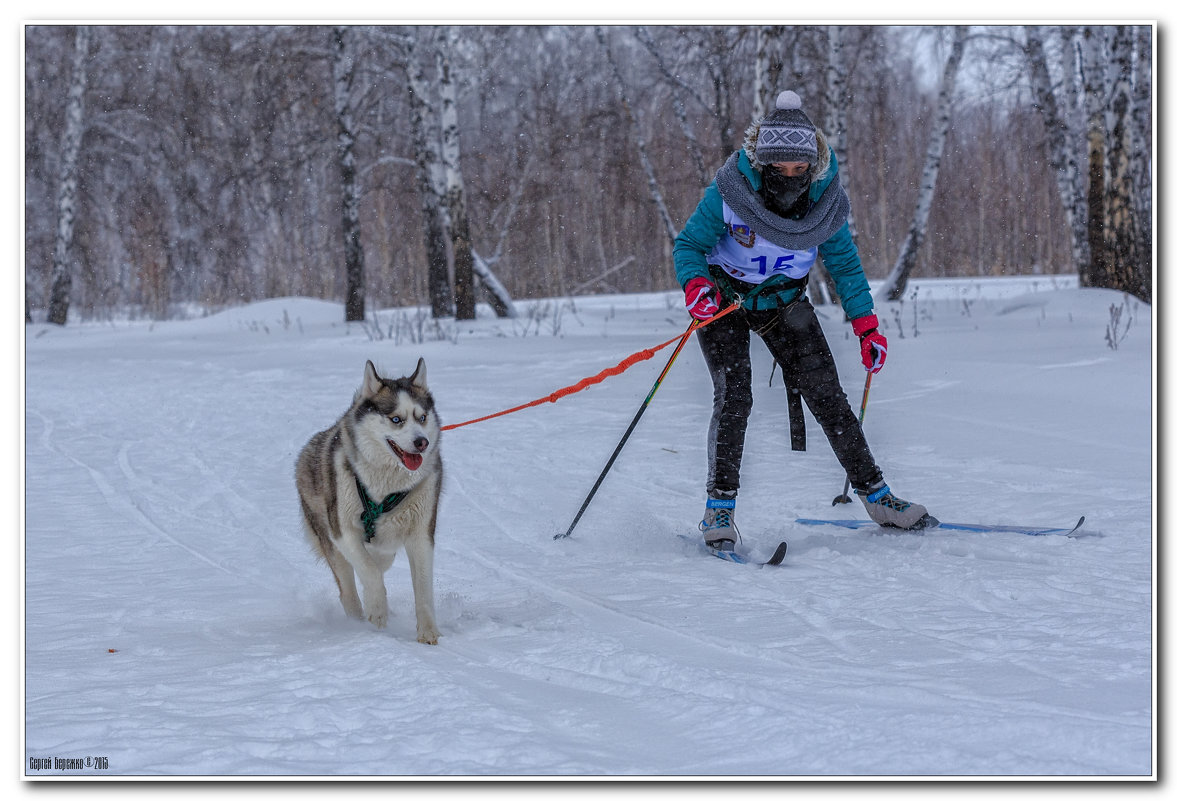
{"x": 643, "y": 156}
{"x": 835, "y": 131}
{"x": 67, "y": 193}
{"x": 1095, "y": 272}
{"x": 430, "y": 181}
{"x": 451, "y": 157}
{"x": 896, "y": 283}
{"x": 836, "y": 99}
{"x": 1060, "y": 153}
{"x": 768, "y": 68}
{"x": 1142, "y": 160}
{"x": 1125, "y": 273}
{"x": 1142, "y": 120}
{"x": 497, "y": 294}
{"x": 1074, "y": 112}
{"x": 343, "y": 73}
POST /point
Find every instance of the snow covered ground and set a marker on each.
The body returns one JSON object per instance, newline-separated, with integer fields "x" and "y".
{"x": 176, "y": 623}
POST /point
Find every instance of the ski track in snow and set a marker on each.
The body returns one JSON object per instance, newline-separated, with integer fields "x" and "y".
{"x": 178, "y": 623}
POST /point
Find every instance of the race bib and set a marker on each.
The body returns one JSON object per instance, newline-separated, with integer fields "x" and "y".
{"x": 753, "y": 259}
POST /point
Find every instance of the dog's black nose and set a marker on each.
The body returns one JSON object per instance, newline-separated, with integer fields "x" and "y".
{"x": 420, "y": 443}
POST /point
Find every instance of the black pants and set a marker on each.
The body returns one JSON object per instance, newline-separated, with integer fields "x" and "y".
{"x": 794, "y": 337}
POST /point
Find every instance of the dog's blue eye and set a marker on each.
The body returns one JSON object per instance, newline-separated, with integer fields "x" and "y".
{"x": 424, "y": 417}
{"x": 396, "y": 419}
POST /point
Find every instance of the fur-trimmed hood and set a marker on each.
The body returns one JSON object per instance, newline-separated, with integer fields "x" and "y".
{"x": 823, "y": 150}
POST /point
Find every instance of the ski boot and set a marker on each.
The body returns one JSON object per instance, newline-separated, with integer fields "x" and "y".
{"x": 719, "y": 521}
{"x": 888, "y": 510}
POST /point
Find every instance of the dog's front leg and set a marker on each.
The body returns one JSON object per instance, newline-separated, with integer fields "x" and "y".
{"x": 419, "y": 550}
{"x": 371, "y": 577}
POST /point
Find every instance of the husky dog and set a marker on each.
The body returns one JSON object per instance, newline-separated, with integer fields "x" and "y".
{"x": 369, "y": 485}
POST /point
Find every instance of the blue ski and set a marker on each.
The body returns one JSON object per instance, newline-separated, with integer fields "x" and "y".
{"x": 1032, "y": 531}
{"x": 732, "y": 556}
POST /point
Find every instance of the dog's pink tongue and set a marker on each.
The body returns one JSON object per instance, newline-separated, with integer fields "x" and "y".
{"x": 412, "y": 460}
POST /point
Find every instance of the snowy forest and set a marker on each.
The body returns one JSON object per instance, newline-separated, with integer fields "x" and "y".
{"x": 173, "y": 170}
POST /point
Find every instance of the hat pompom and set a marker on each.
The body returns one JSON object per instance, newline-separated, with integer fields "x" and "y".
{"x": 788, "y": 99}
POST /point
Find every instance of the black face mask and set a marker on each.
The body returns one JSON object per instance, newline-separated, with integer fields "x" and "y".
{"x": 782, "y": 192}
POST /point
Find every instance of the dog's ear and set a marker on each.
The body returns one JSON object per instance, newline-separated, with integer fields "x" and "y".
{"x": 372, "y": 382}
{"x": 417, "y": 379}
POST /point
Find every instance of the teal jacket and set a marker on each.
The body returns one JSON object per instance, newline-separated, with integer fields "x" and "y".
{"x": 839, "y": 254}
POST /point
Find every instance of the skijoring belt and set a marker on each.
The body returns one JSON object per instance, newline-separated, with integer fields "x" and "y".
{"x": 758, "y": 297}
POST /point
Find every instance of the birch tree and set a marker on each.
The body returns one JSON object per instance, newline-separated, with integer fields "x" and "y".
{"x": 430, "y": 178}
{"x": 1061, "y": 151}
{"x": 1142, "y": 103}
{"x": 836, "y": 95}
{"x": 1071, "y": 91}
{"x": 1094, "y": 67}
{"x": 1110, "y": 247}
{"x": 343, "y": 73}
{"x": 1125, "y": 245}
{"x": 896, "y": 283}
{"x": 837, "y": 101}
{"x": 67, "y": 193}
{"x": 769, "y": 66}
{"x": 496, "y": 294}
{"x": 1142, "y": 161}
{"x": 451, "y": 158}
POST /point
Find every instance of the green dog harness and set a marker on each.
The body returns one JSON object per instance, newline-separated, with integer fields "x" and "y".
{"x": 373, "y": 510}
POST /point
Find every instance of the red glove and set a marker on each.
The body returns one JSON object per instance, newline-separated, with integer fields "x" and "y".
{"x": 702, "y": 298}
{"x": 874, "y": 344}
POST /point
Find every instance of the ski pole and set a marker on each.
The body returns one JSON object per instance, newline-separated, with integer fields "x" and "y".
{"x": 845, "y": 496}
{"x": 641, "y": 410}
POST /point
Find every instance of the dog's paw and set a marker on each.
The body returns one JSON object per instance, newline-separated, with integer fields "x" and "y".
{"x": 376, "y": 605}
{"x": 428, "y": 636}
